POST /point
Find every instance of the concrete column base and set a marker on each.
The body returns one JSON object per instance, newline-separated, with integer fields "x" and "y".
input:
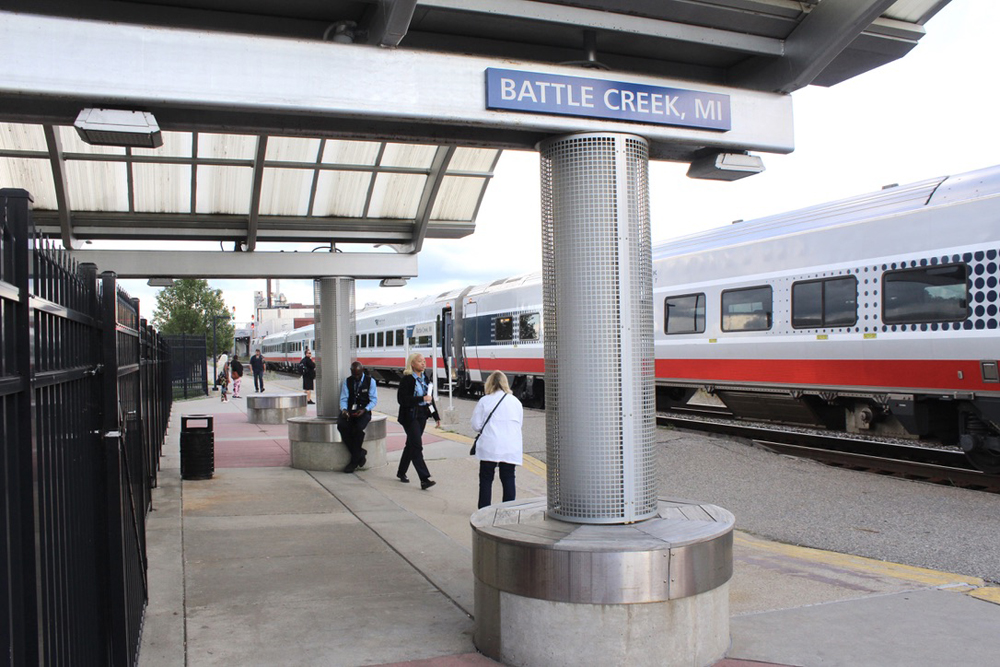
{"x": 275, "y": 408}
{"x": 655, "y": 592}
{"x": 316, "y": 445}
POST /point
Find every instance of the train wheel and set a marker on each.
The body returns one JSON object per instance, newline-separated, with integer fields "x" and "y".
{"x": 984, "y": 460}
{"x": 983, "y": 451}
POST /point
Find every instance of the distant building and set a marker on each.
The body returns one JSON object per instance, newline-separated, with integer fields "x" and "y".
{"x": 280, "y": 315}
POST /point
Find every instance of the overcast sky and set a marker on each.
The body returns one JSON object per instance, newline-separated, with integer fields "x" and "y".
{"x": 932, "y": 113}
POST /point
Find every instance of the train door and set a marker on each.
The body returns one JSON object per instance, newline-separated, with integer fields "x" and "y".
{"x": 447, "y": 341}
{"x": 471, "y": 326}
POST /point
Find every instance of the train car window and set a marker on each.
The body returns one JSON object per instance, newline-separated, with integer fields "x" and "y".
{"x": 400, "y": 338}
{"x": 747, "y": 309}
{"x": 357, "y": 342}
{"x": 362, "y": 341}
{"x": 380, "y": 339}
{"x": 927, "y": 294}
{"x": 684, "y": 314}
{"x": 420, "y": 341}
{"x": 503, "y": 328}
{"x": 825, "y": 303}
{"x": 371, "y": 339}
{"x": 528, "y": 326}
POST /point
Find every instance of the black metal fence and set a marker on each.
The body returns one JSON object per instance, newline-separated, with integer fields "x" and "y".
{"x": 188, "y": 364}
{"x": 85, "y": 399}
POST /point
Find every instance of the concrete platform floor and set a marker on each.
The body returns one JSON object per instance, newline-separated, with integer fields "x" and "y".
{"x": 265, "y": 565}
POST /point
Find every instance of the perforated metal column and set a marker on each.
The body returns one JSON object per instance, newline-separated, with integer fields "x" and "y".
{"x": 597, "y": 281}
{"x": 335, "y": 341}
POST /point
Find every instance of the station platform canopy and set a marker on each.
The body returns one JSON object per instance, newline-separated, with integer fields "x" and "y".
{"x": 244, "y": 189}
{"x": 345, "y": 122}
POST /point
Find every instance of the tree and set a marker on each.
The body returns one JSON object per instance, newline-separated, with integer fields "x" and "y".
{"x": 189, "y": 306}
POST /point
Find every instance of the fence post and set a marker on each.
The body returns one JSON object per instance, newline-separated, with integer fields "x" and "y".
{"x": 184, "y": 362}
{"x": 18, "y": 477}
{"x": 114, "y": 539}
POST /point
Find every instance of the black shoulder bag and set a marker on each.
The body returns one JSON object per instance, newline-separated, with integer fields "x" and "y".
{"x": 472, "y": 452}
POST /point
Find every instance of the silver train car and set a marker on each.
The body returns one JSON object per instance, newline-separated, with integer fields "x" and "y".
{"x": 283, "y": 350}
{"x": 874, "y": 314}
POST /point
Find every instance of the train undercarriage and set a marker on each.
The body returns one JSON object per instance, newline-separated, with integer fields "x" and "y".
{"x": 968, "y": 421}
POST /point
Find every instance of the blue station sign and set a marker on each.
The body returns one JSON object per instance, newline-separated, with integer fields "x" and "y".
{"x": 535, "y": 92}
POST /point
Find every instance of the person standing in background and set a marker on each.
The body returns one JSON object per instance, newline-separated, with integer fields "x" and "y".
{"x": 498, "y": 417}
{"x": 223, "y": 381}
{"x": 308, "y": 367}
{"x": 258, "y": 366}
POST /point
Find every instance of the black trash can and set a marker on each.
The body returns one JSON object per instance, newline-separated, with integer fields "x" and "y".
{"x": 197, "y": 447}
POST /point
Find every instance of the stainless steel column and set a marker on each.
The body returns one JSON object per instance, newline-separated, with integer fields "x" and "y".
{"x": 598, "y": 309}
{"x": 335, "y": 338}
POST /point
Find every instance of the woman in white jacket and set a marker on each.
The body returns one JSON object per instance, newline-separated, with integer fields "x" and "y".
{"x": 499, "y": 441}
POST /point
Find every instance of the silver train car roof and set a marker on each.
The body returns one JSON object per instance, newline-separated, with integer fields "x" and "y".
{"x": 896, "y": 199}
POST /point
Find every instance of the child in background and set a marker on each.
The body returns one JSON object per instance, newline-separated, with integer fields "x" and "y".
{"x": 223, "y": 383}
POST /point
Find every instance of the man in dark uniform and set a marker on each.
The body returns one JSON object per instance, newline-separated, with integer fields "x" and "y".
{"x": 358, "y": 396}
{"x": 257, "y": 365}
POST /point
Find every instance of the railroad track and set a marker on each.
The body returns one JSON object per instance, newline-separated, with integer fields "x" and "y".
{"x": 940, "y": 466}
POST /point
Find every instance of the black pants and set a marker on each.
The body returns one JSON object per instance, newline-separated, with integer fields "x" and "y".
{"x": 486, "y": 470}
{"x": 352, "y": 434}
{"x": 414, "y": 449}
{"x": 258, "y": 380}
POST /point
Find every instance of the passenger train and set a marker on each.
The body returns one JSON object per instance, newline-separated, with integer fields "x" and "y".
{"x": 875, "y": 314}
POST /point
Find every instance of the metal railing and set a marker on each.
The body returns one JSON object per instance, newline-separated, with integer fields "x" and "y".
{"x": 85, "y": 400}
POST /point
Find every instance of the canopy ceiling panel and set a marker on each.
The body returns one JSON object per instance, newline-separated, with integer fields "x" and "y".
{"x": 303, "y": 190}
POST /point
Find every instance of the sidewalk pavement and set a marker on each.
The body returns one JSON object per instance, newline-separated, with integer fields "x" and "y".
{"x": 267, "y": 565}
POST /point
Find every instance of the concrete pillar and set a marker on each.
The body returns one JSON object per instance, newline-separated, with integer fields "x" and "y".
{"x": 335, "y": 335}
{"x": 315, "y": 442}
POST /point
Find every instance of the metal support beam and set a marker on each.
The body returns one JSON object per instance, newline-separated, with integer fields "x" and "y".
{"x": 59, "y": 179}
{"x": 821, "y": 36}
{"x": 194, "y": 264}
{"x": 258, "y": 182}
{"x": 439, "y": 166}
{"x": 597, "y": 19}
{"x": 265, "y": 84}
{"x": 390, "y": 21}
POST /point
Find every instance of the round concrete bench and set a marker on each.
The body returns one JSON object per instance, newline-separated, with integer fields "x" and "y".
{"x": 316, "y": 445}
{"x": 275, "y": 408}
{"x": 655, "y": 592}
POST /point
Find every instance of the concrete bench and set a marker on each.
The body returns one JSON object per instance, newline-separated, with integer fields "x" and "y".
{"x": 275, "y": 408}
{"x": 316, "y": 445}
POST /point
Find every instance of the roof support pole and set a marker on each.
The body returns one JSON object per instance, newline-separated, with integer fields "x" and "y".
{"x": 600, "y": 436}
{"x": 597, "y": 277}
{"x": 334, "y": 341}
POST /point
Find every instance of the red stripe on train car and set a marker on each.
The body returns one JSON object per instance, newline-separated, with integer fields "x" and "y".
{"x": 533, "y": 366}
{"x": 383, "y": 362}
{"x": 914, "y": 373}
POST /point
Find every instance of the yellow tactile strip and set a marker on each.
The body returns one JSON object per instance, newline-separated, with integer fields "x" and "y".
{"x": 973, "y": 586}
